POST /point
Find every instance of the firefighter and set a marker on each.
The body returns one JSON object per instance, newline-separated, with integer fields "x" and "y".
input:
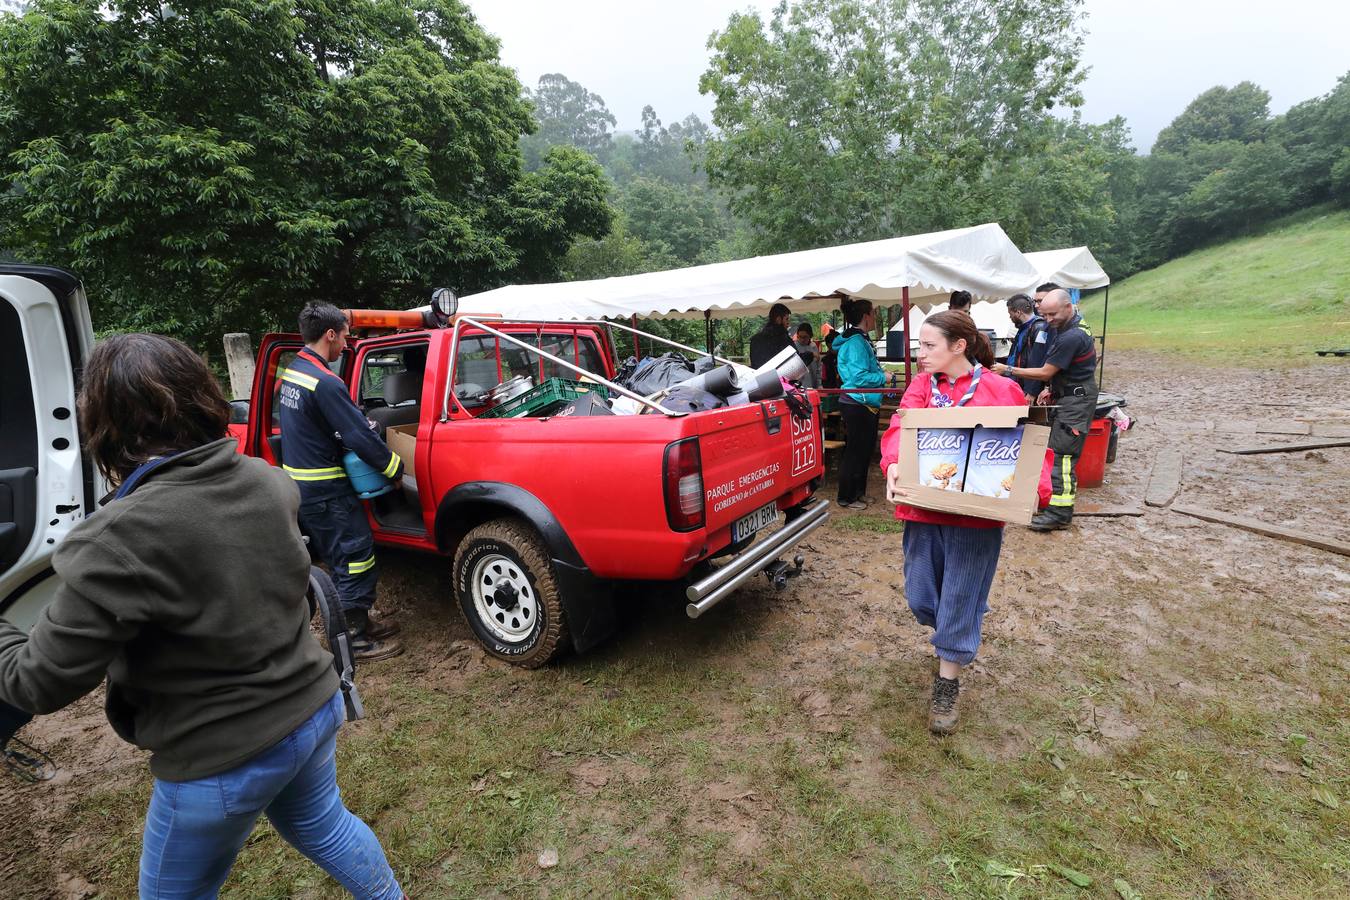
{"x": 319, "y": 422}
{"x": 1070, "y": 367}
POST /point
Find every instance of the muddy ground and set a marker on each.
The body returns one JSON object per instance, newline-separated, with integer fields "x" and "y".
{"x": 1124, "y": 659}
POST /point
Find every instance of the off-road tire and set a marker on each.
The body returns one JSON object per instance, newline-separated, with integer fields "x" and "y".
{"x": 518, "y": 545}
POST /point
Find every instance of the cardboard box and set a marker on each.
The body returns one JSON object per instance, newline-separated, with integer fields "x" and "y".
{"x": 402, "y": 439}
{"x": 1018, "y": 504}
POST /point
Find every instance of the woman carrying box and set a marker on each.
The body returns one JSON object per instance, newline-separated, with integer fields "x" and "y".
{"x": 949, "y": 559}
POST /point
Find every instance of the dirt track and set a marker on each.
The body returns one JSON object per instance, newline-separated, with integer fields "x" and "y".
{"x": 1171, "y": 605}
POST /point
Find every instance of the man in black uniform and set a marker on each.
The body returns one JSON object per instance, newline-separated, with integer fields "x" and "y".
{"x": 1030, "y": 345}
{"x": 1070, "y": 367}
{"x": 319, "y": 423}
{"x": 770, "y": 340}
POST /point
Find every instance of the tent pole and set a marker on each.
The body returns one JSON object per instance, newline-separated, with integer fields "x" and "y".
{"x": 904, "y": 331}
{"x": 1101, "y": 363}
{"x": 708, "y": 330}
{"x": 637, "y": 341}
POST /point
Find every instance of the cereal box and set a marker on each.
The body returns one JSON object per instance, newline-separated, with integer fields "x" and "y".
{"x": 993, "y": 460}
{"x": 942, "y": 457}
{"x": 915, "y": 484}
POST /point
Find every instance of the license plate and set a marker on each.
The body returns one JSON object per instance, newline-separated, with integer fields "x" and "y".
{"x": 747, "y": 525}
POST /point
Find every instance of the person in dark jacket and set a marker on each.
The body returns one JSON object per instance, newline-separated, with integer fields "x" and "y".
{"x": 187, "y": 593}
{"x": 319, "y": 423}
{"x": 770, "y": 340}
{"x": 1071, "y": 369}
{"x": 1030, "y": 344}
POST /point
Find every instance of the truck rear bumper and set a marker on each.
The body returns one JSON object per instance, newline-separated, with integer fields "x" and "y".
{"x": 706, "y": 593}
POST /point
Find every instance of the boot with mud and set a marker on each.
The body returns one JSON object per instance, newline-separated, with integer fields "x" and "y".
{"x": 378, "y": 628}
{"x": 365, "y": 647}
{"x": 942, "y": 712}
{"x": 1052, "y": 519}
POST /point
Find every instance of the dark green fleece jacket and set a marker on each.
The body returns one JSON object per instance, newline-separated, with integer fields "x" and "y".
{"x": 189, "y": 595}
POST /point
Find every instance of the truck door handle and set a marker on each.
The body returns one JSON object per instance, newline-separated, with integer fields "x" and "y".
{"x": 772, "y": 424}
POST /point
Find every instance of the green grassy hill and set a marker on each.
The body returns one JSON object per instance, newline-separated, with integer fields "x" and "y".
{"x": 1271, "y": 298}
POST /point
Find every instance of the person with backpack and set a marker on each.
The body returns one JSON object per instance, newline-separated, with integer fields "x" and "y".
{"x": 187, "y": 594}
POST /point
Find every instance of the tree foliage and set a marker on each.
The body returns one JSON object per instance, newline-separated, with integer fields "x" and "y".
{"x": 1240, "y": 113}
{"x": 212, "y": 165}
{"x": 568, "y": 115}
{"x": 842, "y": 120}
{"x": 1225, "y": 167}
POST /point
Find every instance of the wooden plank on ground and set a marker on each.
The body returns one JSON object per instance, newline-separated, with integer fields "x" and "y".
{"x": 1283, "y": 427}
{"x": 1286, "y": 448}
{"x": 1327, "y": 429}
{"x": 1088, "y": 508}
{"x": 1165, "y": 480}
{"x": 1246, "y": 523}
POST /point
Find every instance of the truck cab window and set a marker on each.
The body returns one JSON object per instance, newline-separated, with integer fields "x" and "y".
{"x": 391, "y": 383}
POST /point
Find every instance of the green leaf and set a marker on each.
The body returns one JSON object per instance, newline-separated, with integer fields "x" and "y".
{"x": 1072, "y": 875}
{"x": 1002, "y": 870}
{"x": 1324, "y": 796}
{"x": 1125, "y": 891}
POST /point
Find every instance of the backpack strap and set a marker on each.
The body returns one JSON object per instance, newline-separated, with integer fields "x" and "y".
{"x": 323, "y": 595}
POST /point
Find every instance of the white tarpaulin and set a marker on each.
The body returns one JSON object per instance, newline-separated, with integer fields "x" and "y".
{"x": 980, "y": 259}
{"x": 1072, "y": 267}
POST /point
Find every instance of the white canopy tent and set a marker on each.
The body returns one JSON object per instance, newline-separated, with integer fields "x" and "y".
{"x": 1072, "y": 267}
{"x": 919, "y": 270}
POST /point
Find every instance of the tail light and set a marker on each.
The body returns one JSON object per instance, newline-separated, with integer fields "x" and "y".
{"x": 683, "y": 476}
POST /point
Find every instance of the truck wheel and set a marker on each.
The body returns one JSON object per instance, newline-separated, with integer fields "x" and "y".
{"x": 508, "y": 593}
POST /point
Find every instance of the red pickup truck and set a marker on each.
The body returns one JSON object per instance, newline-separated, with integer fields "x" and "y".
{"x": 542, "y": 516}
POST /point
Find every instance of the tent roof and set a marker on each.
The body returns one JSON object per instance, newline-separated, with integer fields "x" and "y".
{"x": 1072, "y": 267}
{"x": 980, "y": 259}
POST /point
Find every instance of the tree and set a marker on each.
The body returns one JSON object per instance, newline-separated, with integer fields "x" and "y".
{"x": 210, "y": 166}
{"x": 671, "y": 154}
{"x": 568, "y": 114}
{"x": 683, "y": 220}
{"x": 1240, "y": 113}
{"x": 842, "y": 120}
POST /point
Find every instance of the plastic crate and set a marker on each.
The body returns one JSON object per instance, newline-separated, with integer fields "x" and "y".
{"x": 540, "y": 400}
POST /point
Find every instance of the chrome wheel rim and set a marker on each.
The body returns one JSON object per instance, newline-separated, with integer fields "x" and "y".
{"x": 504, "y": 599}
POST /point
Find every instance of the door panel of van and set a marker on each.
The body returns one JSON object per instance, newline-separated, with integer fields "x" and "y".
{"x": 46, "y": 487}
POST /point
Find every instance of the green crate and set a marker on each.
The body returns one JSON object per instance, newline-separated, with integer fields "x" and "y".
{"x": 553, "y": 392}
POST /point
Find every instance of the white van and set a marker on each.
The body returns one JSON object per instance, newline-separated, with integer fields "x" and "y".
{"x": 46, "y": 486}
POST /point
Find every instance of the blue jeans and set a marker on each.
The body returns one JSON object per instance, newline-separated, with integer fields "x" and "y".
{"x": 949, "y": 570}
{"x": 194, "y": 829}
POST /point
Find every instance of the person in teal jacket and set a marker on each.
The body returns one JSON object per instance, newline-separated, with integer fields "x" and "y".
{"x": 858, "y": 368}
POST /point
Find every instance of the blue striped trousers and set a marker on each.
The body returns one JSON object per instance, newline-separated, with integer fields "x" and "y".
{"x": 948, "y": 572}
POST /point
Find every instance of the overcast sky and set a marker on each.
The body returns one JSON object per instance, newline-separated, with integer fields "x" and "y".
{"x": 1148, "y": 58}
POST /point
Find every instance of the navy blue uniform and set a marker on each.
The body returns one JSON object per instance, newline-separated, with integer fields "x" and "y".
{"x": 319, "y": 423}
{"x": 1074, "y": 388}
{"x": 1029, "y": 350}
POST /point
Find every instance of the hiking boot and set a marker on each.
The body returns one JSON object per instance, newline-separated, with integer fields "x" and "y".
{"x": 854, "y": 504}
{"x": 378, "y": 628}
{"x": 1045, "y": 520}
{"x": 942, "y": 713}
{"x": 369, "y": 636}
{"x": 366, "y": 650}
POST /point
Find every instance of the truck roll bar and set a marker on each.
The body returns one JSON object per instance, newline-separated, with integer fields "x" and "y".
{"x": 501, "y": 336}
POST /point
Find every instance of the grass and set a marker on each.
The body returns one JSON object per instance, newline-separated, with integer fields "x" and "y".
{"x": 1271, "y": 298}
{"x": 1216, "y": 796}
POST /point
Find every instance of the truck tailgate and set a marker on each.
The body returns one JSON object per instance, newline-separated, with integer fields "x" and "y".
{"x": 754, "y": 455}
